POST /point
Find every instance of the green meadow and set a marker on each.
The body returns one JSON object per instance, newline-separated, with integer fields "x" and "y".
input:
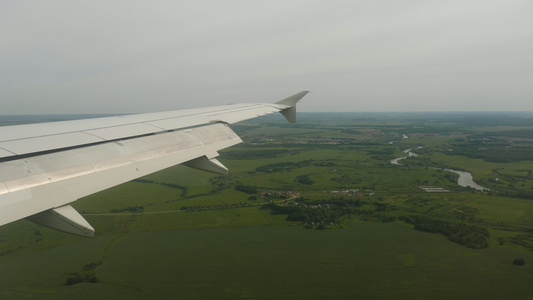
{"x": 362, "y": 260}
{"x": 339, "y": 228}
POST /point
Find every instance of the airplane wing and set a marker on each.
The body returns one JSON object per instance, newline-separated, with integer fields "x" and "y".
{"x": 44, "y": 167}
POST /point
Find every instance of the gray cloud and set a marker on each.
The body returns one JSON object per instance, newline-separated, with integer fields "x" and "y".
{"x": 375, "y": 55}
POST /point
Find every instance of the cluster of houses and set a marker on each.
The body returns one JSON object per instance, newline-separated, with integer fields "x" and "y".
{"x": 433, "y": 189}
{"x": 352, "y": 192}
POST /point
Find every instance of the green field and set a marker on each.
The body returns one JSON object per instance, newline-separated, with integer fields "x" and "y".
{"x": 367, "y": 260}
{"x": 183, "y": 233}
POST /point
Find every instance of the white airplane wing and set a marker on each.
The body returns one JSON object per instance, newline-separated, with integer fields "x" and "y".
{"x": 44, "y": 167}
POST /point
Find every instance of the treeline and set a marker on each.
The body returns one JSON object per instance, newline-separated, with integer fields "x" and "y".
{"x": 346, "y": 179}
{"x": 288, "y": 166}
{"x": 132, "y": 209}
{"x": 79, "y": 278}
{"x": 315, "y": 212}
{"x": 497, "y": 154}
{"x": 259, "y": 154}
{"x": 524, "y": 240}
{"x": 306, "y": 214}
{"x": 514, "y": 194}
{"x": 284, "y": 166}
{"x": 38, "y": 238}
{"x": 88, "y": 274}
{"x": 520, "y": 133}
{"x": 216, "y": 206}
{"x": 340, "y": 202}
{"x": 471, "y": 236}
{"x": 170, "y": 185}
{"x": 304, "y": 179}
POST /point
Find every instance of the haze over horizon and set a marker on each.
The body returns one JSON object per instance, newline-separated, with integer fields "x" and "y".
{"x": 63, "y": 57}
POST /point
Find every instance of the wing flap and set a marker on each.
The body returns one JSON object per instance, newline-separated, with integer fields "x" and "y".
{"x": 60, "y": 178}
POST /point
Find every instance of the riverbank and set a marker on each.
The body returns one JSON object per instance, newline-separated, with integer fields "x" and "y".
{"x": 465, "y": 178}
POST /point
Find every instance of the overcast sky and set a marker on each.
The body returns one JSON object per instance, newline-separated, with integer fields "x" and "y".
{"x": 374, "y": 55}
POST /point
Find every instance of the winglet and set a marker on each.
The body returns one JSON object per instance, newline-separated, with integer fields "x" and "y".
{"x": 290, "y": 112}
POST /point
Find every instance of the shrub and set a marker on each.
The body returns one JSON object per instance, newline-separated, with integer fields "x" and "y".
{"x": 519, "y": 261}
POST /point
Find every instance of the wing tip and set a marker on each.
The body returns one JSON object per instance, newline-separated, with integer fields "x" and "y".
{"x": 292, "y": 100}
{"x": 290, "y": 112}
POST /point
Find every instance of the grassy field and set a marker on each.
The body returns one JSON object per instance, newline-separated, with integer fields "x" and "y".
{"x": 366, "y": 260}
{"x": 182, "y": 233}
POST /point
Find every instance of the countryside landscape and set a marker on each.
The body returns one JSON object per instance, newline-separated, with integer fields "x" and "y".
{"x": 343, "y": 205}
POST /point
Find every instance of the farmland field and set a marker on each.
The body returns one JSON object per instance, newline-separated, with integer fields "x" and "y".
{"x": 312, "y": 210}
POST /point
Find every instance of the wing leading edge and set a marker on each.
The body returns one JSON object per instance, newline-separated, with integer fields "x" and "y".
{"x": 44, "y": 167}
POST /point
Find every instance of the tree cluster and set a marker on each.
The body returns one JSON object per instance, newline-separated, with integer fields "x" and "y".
{"x": 495, "y": 151}
{"x": 319, "y": 212}
{"x": 346, "y": 179}
{"x": 88, "y": 274}
{"x": 304, "y": 179}
{"x": 284, "y": 166}
{"x": 259, "y": 153}
{"x": 514, "y": 194}
{"x": 524, "y": 240}
{"x": 215, "y": 206}
{"x": 519, "y": 262}
{"x": 79, "y": 278}
{"x": 471, "y": 236}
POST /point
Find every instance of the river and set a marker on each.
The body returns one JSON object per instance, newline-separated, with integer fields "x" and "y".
{"x": 409, "y": 154}
{"x": 465, "y": 178}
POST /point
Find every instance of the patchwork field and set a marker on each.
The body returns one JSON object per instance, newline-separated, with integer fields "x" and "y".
{"x": 182, "y": 233}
